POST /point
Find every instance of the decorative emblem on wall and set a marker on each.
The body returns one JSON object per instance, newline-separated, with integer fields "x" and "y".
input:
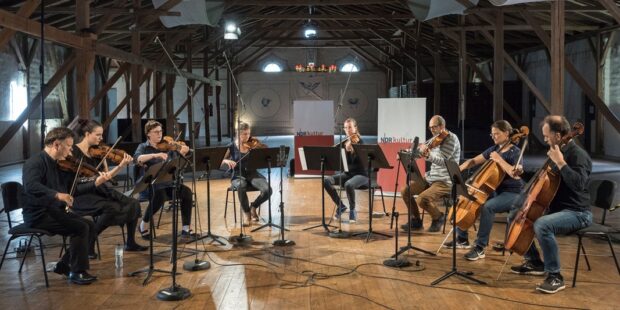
{"x": 356, "y": 103}
{"x": 353, "y": 102}
{"x": 310, "y": 86}
{"x": 265, "y": 102}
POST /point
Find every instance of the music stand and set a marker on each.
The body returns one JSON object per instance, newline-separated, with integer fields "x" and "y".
{"x": 261, "y": 159}
{"x": 161, "y": 172}
{"x": 282, "y": 159}
{"x": 413, "y": 173}
{"x": 458, "y": 188}
{"x": 322, "y": 158}
{"x": 375, "y": 160}
{"x": 206, "y": 159}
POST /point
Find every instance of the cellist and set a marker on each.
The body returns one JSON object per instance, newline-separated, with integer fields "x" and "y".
{"x": 568, "y": 211}
{"x": 506, "y": 155}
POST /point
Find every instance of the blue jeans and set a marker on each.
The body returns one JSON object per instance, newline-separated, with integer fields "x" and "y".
{"x": 351, "y": 182}
{"x": 257, "y": 181}
{"x": 498, "y": 204}
{"x": 545, "y": 229}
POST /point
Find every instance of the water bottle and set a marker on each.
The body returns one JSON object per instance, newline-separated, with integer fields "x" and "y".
{"x": 119, "y": 256}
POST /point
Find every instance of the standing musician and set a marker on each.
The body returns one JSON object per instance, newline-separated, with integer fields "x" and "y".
{"x": 438, "y": 183}
{"x": 236, "y": 156}
{"x": 505, "y": 194}
{"x": 110, "y": 206}
{"x": 48, "y": 191}
{"x": 148, "y": 154}
{"x": 568, "y": 211}
{"x": 355, "y": 178}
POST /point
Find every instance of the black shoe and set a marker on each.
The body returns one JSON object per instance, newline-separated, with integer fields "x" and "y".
{"x": 81, "y": 278}
{"x": 552, "y": 284}
{"x": 145, "y": 234}
{"x": 475, "y": 254}
{"x": 416, "y": 224}
{"x": 437, "y": 224}
{"x": 190, "y": 233}
{"x": 92, "y": 256}
{"x": 135, "y": 248}
{"x": 528, "y": 268}
{"x": 62, "y": 269}
{"x": 460, "y": 244}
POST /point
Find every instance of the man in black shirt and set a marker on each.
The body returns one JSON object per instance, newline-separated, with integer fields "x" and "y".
{"x": 569, "y": 210}
{"x": 47, "y": 191}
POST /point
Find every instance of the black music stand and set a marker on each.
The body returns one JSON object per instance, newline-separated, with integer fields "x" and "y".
{"x": 162, "y": 172}
{"x": 322, "y": 158}
{"x": 458, "y": 188}
{"x": 261, "y": 159}
{"x": 282, "y": 159}
{"x": 413, "y": 174}
{"x": 375, "y": 160}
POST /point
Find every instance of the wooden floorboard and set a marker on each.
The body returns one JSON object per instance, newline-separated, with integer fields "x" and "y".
{"x": 317, "y": 273}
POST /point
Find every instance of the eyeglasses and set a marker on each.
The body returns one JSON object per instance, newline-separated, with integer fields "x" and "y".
{"x": 433, "y": 127}
{"x": 157, "y": 131}
{"x": 494, "y": 134}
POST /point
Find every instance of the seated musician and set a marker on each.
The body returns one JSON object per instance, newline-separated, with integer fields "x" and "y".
{"x": 568, "y": 211}
{"x": 505, "y": 193}
{"x": 110, "y": 206}
{"x": 438, "y": 184}
{"x": 355, "y": 178}
{"x": 148, "y": 154}
{"x": 47, "y": 192}
{"x": 242, "y": 177}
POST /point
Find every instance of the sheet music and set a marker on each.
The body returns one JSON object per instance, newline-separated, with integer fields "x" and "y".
{"x": 345, "y": 166}
{"x": 302, "y": 158}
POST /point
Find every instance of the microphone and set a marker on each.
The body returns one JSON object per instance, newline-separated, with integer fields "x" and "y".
{"x": 281, "y": 155}
{"x": 414, "y": 147}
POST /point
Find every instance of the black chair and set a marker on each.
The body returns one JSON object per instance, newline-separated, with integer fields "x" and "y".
{"x": 233, "y": 189}
{"x": 601, "y": 196}
{"x": 374, "y": 186}
{"x": 11, "y": 196}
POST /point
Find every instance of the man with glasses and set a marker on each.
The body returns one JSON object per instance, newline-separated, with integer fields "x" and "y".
{"x": 438, "y": 184}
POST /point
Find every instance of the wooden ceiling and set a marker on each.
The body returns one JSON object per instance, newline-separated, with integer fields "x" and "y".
{"x": 382, "y": 32}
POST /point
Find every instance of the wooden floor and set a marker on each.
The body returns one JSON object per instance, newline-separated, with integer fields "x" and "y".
{"x": 317, "y": 273}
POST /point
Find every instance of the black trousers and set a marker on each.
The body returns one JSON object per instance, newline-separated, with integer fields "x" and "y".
{"x": 163, "y": 194}
{"x": 80, "y": 230}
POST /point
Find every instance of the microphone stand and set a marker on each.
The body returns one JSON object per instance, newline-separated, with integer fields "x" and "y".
{"x": 197, "y": 264}
{"x": 339, "y": 233}
{"x": 283, "y": 241}
{"x": 241, "y": 238}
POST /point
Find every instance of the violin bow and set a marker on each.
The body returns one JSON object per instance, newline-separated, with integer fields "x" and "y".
{"x": 108, "y": 152}
{"x": 77, "y": 174}
{"x": 525, "y": 143}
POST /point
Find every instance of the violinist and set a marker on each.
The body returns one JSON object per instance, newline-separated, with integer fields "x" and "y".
{"x": 506, "y": 155}
{"x": 568, "y": 211}
{"x": 242, "y": 177}
{"x": 355, "y": 178}
{"x": 47, "y": 192}
{"x": 148, "y": 154}
{"x": 438, "y": 184}
{"x": 110, "y": 206}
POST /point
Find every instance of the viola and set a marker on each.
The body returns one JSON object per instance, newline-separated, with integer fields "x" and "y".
{"x": 435, "y": 142}
{"x": 354, "y": 138}
{"x": 71, "y": 164}
{"x": 254, "y": 143}
{"x": 482, "y": 184}
{"x": 169, "y": 144}
{"x": 539, "y": 193}
{"x": 104, "y": 151}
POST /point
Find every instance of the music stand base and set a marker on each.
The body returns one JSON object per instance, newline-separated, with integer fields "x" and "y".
{"x": 457, "y": 273}
{"x": 369, "y": 234}
{"x": 324, "y": 225}
{"x": 283, "y": 242}
{"x": 397, "y": 263}
{"x": 196, "y": 265}
{"x": 240, "y": 239}
{"x": 149, "y": 273}
{"x": 406, "y": 248}
{"x": 339, "y": 234}
{"x": 269, "y": 224}
{"x": 173, "y": 293}
{"x": 214, "y": 238}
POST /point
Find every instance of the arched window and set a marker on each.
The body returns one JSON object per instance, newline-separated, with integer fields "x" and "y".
{"x": 349, "y": 67}
{"x": 272, "y": 67}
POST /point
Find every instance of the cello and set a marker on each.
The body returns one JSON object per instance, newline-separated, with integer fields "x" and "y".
{"x": 482, "y": 184}
{"x": 540, "y": 191}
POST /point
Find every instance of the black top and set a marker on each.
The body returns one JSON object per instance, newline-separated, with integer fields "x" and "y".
{"x": 573, "y": 191}
{"x": 42, "y": 179}
{"x": 242, "y": 160}
{"x": 145, "y": 149}
{"x": 510, "y": 156}
{"x": 354, "y": 162}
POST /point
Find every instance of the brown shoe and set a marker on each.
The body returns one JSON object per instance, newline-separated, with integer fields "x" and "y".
{"x": 254, "y": 214}
{"x": 247, "y": 218}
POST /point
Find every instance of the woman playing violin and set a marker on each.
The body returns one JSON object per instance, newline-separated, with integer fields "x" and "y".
{"x": 568, "y": 211}
{"x": 110, "y": 206}
{"x": 355, "y": 178}
{"x": 438, "y": 183}
{"x": 243, "y": 178}
{"x": 506, "y": 156}
{"x": 150, "y": 153}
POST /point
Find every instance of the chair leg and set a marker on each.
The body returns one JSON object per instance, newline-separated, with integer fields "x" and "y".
{"x": 47, "y": 284}
{"x": 585, "y": 255}
{"x": 576, "y": 261}
{"x": 6, "y": 248}
{"x": 161, "y": 211}
{"x": 123, "y": 234}
{"x": 234, "y": 206}
{"x": 226, "y": 203}
{"x": 383, "y": 202}
{"x": 25, "y": 254}
{"x": 611, "y": 247}
{"x": 445, "y": 203}
{"x": 98, "y": 248}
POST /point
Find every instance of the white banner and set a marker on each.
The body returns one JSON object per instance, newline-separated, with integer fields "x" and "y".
{"x": 313, "y": 117}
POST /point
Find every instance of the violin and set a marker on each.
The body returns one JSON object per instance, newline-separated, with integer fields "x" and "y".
{"x": 104, "y": 151}
{"x": 254, "y": 143}
{"x": 540, "y": 191}
{"x": 435, "y": 142}
{"x": 169, "y": 144}
{"x": 482, "y": 184}
{"x": 354, "y": 138}
{"x": 71, "y": 164}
